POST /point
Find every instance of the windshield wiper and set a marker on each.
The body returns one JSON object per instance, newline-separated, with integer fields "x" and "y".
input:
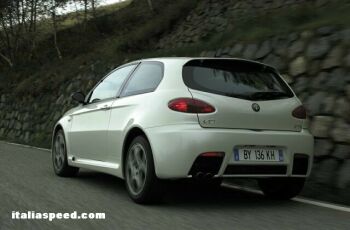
{"x": 240, "y": 96}
{"x": 269, "y": 95}
{"x": 263, "y": 95}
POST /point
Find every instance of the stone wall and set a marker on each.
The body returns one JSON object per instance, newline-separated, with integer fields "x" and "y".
{"x": 30, "y": 120}
{"x": 216, "y": 16}
{"x": 317, "y": 66}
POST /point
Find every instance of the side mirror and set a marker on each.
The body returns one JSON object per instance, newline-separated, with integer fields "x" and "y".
{"x": 79, "y": 97}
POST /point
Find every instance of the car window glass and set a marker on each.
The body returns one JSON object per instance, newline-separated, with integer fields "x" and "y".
{"x": 145, "y": 79}
{"x": 110, "y": 86}
{"x": 235, "y": 79}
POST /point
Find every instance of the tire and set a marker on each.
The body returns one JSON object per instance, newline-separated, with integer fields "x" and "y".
{"x": 281, "y": 188}
{"x": 59, "y": 157}
{"x": 141, "y": 181}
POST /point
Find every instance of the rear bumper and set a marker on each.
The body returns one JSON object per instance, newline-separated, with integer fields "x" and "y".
{"x": 176, "y": 147}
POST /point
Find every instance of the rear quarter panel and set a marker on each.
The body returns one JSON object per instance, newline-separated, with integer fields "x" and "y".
{"x": 147, "y": 110}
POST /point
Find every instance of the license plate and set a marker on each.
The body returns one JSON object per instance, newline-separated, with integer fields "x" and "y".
{"x": 258, "y": 153}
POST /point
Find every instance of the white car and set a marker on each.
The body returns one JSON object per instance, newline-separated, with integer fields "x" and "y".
{"x": 200, "y": 118}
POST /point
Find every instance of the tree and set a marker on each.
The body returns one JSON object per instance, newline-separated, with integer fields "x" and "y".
{"x": 18, "y": 28}
{"x": 19, "y": 33}
{"x": 6, "y": 32}
{"x": 85, "y": 12}
{"x": 93, "y": 7}
{"x": 53, "y": 12}
{"x": 150, "y": 4}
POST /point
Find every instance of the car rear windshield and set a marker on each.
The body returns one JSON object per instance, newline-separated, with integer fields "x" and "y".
{"x": 235, "y": 78}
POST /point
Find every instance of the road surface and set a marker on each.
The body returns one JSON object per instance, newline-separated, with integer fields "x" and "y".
{"x": 27, "y": 183}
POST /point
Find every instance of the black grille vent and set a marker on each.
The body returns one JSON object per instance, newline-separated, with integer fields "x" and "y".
{"x": 300, "y": 164}
{"x": 206, "y": 165}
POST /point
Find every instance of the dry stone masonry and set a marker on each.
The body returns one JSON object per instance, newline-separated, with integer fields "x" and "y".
{"x": 216, "y": 16}
{"x": 318, "y": 70}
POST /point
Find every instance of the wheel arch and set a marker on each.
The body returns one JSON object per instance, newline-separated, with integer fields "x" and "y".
{"x": 55, "y": 130}
{"x": 131, "y": 134}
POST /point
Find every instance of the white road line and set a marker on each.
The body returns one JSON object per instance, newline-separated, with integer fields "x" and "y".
{"x": 26, "y": 146}
{"x": 322, "y": 204}
{"x": 296, "y": 199}
{"x": 255, "y": 191}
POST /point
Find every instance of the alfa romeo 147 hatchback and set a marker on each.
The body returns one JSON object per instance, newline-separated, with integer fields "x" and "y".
{"x": 204, "y": 119}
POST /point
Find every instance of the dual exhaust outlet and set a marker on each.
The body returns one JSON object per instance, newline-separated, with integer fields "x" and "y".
{"x": 203, "y": 176}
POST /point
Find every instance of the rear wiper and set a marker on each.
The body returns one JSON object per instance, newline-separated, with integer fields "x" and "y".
{"x": 240, "y": 96}
{"x": 268, "y": 95}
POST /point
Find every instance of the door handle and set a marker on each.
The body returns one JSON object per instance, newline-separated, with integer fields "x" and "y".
{"x": 105, "y": 107}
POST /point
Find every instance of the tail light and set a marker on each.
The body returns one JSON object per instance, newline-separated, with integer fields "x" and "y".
{"x": 299, "y": 112}
{"x": 189, "y": 105}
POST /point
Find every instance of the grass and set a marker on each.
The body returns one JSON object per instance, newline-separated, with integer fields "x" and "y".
{"x": 285, "y": 21}
{"x": 107, "y": 9}
{"x": 108, "y": 41}
{"x": 74, "y": 18}
{"x": 280, "y": 23}
{"x": 256, "y": 29}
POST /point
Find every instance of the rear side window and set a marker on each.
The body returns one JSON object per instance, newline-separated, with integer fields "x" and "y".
{"x": 235, "y": 78}
{"x": 145, "y": 79}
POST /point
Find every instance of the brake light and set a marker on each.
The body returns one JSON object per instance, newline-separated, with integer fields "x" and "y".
{"x": 299, "y": 112}
{"x": 189, "y": 105}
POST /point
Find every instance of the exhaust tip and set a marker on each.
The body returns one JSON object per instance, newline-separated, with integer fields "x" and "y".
{"x": 208, "y": 176}
{"x": 199, "y": 175}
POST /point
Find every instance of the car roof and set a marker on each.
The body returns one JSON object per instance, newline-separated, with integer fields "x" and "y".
{"x": 187, "y": 59}
{"x": 175, "y": 64}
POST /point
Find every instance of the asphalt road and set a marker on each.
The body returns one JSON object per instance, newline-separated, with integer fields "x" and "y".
{"x": 27, "y": 183}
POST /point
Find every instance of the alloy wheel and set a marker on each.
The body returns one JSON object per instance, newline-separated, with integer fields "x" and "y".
{"x": 136, "y": 168}
{"x": 59, "y": 151}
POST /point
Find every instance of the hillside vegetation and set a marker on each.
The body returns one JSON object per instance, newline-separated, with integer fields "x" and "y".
{"x": 130, "y": 30}
{"x": 108, "y": 39}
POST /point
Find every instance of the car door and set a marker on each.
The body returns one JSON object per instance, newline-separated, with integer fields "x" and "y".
{"x": 128, "y": 108}
{"x": 88, "y": 133}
